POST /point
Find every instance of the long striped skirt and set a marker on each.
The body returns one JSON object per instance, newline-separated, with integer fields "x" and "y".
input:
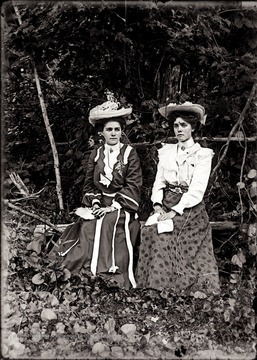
{"x": 104, "y": 247}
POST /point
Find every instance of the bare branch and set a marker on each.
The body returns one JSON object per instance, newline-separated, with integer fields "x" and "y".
{"x": 238, "y": 123}
{"x": 51, "y": 139}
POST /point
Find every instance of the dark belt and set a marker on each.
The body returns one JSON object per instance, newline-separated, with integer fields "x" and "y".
{"x": 178, "y": 189}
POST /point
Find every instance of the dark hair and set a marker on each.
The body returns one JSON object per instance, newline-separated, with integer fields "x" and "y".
{"x": 101, "y": 123}
{"x": 187, "y": 116}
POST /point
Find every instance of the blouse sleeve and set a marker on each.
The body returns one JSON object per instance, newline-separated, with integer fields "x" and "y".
{"x": 129, "y": 196}
{"x": 159, "y": 184}
{"x": 91, "y": 194}
{"x": 198, "y": 184}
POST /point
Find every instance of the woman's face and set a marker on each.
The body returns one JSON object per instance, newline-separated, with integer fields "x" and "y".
{"x": 183, "y": 130}
{"x": 112, "y": 132}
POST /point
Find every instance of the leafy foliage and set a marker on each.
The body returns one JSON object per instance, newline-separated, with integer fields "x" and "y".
{"x": 148, "y": 55}
{"x": 158, "y": 54}
{"x": 85, "y": 316}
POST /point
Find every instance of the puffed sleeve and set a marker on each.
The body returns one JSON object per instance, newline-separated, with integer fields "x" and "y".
{"x": 91, "y": 194}
{"x": 198, "y": 183}
{"x": 166, "y": 156}
{"x": 159, "y": 184}
{"x": 129, "y": 196}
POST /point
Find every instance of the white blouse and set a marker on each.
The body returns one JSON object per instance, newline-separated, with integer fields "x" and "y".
{"x": 191, "y": 166}
{"x": 111, "y": 153}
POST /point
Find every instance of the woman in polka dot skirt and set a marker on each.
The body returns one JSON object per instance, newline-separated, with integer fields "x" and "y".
{"x": 176, "y": 251}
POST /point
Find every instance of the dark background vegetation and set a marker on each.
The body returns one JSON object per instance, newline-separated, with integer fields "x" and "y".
{"x": 148, "y": 54}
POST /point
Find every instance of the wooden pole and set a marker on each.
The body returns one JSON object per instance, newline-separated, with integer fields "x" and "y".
{"x": 207, "y": 138}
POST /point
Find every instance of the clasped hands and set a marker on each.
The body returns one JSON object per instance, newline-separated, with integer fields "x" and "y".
{"x": 164, "y": 215}
{"x": 98, "y": 211}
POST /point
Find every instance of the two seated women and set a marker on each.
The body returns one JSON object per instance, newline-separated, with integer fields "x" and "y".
{"x": 176, "y": 250}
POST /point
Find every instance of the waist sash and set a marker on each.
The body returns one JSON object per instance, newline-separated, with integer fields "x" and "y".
{"x": 178, "y": 189}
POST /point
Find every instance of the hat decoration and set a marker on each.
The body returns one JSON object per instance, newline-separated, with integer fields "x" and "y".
{"x": 109, "y": 109}
{"x": 187, "y": 106}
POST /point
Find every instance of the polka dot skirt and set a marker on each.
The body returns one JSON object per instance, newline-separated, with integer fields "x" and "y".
{"x": 182, "y": 260}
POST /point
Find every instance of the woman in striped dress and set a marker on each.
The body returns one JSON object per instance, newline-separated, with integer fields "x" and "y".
{"x": 103, "y": 245}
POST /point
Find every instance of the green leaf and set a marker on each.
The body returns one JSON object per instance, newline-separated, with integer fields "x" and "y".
{"x": 99, "y": 348}
{"x": 66, "y": 274}
{"x": 32, "y": 260}
{"x": 110, "y": 326}
{"x": 253, "y": 189}
{"x": 38, "y": 279}
{"x": 53, "y": 277}
{"x": 239, "y": 135}
{"x": 238, "y": 259}
{"x": 227, "y": 315}
{"x": 35, "y": 245}
{"x": 78, "y": 328}
{"x": 240, "y": 185}
{"x": 199, "y": 295}
{"x": 232, "y": 303}
{"x": 234, "y": 278}
{"x": 253, "y": 249}
{"x": 40, "y": 167}
{"x": 48, "y": 314}
{"x": 117, "y": 352}
{"x": 15, "y": 348}
{"x": 252, "y": 230}
{"x": 80, "y": 179}
{"x": 128, "y": 329}
{"x": 252, "y": 174}
{"x": 90, "y": 326}
{"x": 60, "y": 328}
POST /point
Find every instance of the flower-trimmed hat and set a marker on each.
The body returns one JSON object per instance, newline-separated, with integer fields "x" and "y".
{"x": 109, "y": 109}
{"x": 186, "y": 107}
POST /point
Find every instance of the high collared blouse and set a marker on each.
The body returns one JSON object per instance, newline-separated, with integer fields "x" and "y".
{"x": 190, "y": 167}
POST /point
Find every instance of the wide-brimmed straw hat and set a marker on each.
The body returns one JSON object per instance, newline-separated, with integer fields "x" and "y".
{"x": 109, "y": 109}
{"x": 186, "y": 107}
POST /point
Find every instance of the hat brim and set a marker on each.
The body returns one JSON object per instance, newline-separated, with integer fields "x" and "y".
{"x": 102, "y": 115}
{"x": 198, "y": 110}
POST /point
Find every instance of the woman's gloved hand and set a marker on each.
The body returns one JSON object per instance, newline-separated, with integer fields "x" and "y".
{"x": 98, "y": 212}
{"x": 158, "y": 209}
{"x": 168, "y": 215}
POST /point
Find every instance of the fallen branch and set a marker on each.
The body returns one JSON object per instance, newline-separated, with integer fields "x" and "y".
{"x": 233, "y": 130}
{"x": 16, "y": 179}
{"x": 35, "y": 216}
{"x": 29, "y": 197}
